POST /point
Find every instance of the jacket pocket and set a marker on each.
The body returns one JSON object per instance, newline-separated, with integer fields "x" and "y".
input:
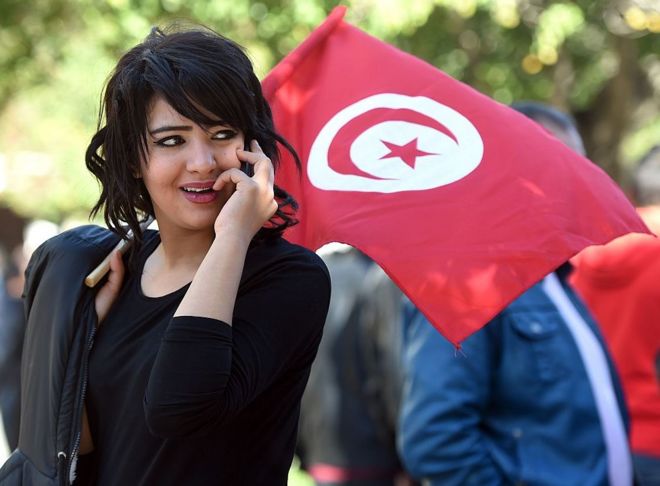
{"x": 541, "y": 333}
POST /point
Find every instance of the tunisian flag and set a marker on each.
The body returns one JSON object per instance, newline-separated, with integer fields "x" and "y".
{"x": 463, "y": 202}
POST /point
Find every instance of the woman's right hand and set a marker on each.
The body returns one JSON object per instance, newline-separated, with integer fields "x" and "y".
{"x": 252, "y": 203}
{"x": 110, "y": 290}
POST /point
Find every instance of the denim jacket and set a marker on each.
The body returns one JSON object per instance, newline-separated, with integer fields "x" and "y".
{"x": 513, "y": 405}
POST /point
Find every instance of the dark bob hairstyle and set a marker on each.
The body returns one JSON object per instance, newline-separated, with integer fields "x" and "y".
{"x": 193, "y": 70}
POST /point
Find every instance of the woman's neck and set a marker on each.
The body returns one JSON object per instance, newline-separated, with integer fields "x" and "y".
{"x": 183, "y": 249}
{"x": 175, "y": 261}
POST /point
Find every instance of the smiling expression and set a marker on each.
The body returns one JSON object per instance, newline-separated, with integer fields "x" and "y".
{"x": 183, "y": 161}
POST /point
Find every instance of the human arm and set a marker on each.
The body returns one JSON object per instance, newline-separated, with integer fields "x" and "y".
{"x": 445, "y": 397}
{"x": 218, "y": 354}
{"x": 207, "y": 372}
{"x": 213, "y": 290}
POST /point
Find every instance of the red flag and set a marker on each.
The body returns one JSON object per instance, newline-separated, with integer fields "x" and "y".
{"x": 464, "y": 202}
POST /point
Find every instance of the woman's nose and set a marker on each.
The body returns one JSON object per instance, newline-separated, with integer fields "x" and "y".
{"x": 202, "y": 159}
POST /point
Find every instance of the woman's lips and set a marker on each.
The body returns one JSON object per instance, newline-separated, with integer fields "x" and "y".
{"x": 199, "y": 192}
{"x": 201, "y": 197}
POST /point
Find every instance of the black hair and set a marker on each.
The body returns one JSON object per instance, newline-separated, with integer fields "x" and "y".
{"x": 541, "y": 112}
{"x": 553, "y": 120}
{"x": 193, "y": 69}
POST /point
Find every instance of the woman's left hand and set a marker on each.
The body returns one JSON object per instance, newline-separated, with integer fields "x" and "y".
{"x": 252, "y": 203}
{"x": 106, "y": 296}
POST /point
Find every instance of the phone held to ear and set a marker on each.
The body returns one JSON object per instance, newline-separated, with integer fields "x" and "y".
{"x": 246, "y": 167}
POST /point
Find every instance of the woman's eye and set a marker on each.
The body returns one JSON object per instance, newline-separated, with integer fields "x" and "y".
{"x": 224, "y": 134}
{"x": 171, "y": 141}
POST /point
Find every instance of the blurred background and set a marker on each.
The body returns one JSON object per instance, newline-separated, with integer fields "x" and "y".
{"x": 597, "y": 59}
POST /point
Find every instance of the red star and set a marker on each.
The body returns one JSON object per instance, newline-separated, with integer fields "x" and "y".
{"x": 407, "y": 152}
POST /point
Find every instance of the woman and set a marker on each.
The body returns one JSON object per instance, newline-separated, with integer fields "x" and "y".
{"x": 191, "y": 359}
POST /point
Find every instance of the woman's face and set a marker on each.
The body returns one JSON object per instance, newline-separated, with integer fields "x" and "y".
{"x": 183, "y": 162}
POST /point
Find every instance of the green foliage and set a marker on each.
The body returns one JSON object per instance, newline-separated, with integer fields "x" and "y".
{"x": 30, "y": 36}
{"x": 597, "y": 58}
{"x": 43, "y": 134}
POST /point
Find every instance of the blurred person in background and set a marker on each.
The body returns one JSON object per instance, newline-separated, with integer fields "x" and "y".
{"x": 12, "y": 331}
{"x": 532, "y": 398}
{"x": 350, "y": 405}
{"x": 12, "y": 325}
{"x": 12, "y": 227}
{"x": 620, "y": 282}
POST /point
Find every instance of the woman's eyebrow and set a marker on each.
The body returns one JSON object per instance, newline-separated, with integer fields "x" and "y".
{"x": 170, "y": 128}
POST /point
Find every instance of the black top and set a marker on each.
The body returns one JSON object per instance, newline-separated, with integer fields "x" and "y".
{"x": 195, "y": 401}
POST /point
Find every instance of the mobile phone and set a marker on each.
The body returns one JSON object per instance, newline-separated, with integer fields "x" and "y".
{"x": 245, "y": 166}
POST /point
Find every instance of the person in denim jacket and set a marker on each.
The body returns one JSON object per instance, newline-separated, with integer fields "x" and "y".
{"x": 532, "y": 398}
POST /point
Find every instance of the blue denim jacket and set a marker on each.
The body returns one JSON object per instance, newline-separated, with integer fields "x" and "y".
{"x": 513, "y": 406}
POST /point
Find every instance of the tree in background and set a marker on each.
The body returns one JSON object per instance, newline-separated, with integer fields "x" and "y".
{"x": 599, "y": 59}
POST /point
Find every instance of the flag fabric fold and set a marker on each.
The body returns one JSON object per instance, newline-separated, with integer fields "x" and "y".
{"x": 464, "y": 202}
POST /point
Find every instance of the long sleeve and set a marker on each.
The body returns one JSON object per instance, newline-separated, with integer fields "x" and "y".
{"x": 445, "y": 396}
{"x": 207, "y": 372}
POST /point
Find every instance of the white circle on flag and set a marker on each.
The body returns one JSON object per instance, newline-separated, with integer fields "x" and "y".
{"x": 399, "y": 155}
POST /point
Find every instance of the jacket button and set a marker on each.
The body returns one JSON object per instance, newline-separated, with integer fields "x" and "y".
{"x": 517, "y": 433}
{"x": 536, "y": 327}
